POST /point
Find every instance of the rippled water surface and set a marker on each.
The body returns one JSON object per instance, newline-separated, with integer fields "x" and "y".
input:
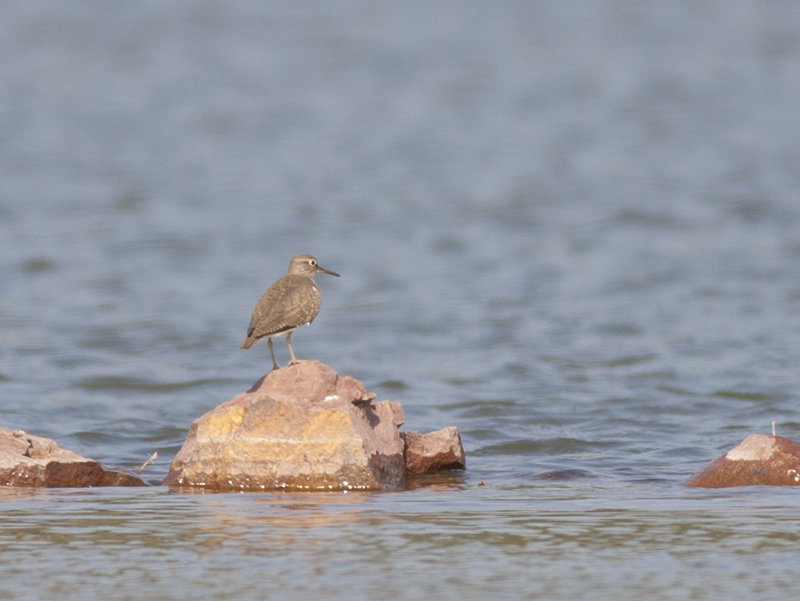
{"x": 569, "y": 229}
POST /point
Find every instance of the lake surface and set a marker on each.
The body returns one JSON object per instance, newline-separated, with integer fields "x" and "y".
{"x": 568, "y": 228}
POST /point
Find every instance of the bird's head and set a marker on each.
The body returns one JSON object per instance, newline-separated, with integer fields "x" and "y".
{"x": 307, "y": 265}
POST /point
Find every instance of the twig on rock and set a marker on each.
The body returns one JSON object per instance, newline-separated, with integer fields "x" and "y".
{"x": 153, "y": 457}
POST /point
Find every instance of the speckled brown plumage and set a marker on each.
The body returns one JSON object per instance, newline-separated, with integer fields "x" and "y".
{"x": 289, "y": 303}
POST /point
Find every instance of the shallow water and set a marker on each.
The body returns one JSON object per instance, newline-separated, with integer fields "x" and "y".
{"x": 569, "y": 229}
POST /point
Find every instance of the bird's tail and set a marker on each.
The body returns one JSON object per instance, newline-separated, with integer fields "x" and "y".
{"x": 248, "y": 342}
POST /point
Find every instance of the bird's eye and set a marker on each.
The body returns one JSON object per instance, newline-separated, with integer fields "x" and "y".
{"x": 313, "y": 263}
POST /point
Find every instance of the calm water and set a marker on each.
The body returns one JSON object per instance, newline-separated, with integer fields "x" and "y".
{"x": 568, "y": 228}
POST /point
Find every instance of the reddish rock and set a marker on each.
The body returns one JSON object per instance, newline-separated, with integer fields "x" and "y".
{"x": 757, "y": 460}
{"x": 27, "y": 460}
{"x": 301, "y": 427}
{"x": 434, "y": 451}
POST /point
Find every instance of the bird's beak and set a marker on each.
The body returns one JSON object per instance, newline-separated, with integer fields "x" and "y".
{"x": 321, "y": 270}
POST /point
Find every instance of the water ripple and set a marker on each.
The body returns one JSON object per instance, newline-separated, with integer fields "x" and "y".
{"x": 549, "y": 446}
{"x": 122, "y": 383}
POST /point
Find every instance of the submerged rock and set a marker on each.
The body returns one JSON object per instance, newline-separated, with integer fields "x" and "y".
{"x": 27, "y": 460}
{"x": 757, "y": 460}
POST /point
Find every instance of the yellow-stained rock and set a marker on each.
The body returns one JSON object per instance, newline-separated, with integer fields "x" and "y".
{"x": 299, "y": 428}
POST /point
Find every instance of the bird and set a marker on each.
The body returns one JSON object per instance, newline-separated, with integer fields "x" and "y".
{"x": 287, "y": 304}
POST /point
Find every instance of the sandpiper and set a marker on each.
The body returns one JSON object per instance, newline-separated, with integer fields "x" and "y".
{"x": 286, "y": 305}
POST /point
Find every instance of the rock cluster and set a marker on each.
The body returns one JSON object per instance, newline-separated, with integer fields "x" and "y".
{"x": 300, "y": 428}
{"x": 27, "y": 460}
{"x": 757, "y": 460}
{"x": 305, "y": 428}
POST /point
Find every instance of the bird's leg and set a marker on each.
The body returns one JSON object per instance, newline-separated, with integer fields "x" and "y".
{"x": 272, "y": 352}
{"x": 291, "y": 352}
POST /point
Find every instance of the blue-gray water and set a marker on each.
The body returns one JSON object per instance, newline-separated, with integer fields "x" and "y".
{"x": 568, "y": 228}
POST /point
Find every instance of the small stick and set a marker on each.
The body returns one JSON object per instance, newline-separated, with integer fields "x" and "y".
{"x": 773, "y": 428}
{"x": 153, "y": 457}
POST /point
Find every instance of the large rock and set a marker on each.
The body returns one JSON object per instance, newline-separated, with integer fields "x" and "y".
{"x": 757, "y": 460}
{"x": 27, "y": 460}
{"x": 434, "y": 451}
{"x": 301, "y": 427}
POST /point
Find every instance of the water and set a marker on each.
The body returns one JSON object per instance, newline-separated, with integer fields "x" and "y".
{"x": 569, "y": 229}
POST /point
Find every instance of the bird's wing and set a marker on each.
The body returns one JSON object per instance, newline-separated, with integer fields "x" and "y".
{"x": 284, "y": 307}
